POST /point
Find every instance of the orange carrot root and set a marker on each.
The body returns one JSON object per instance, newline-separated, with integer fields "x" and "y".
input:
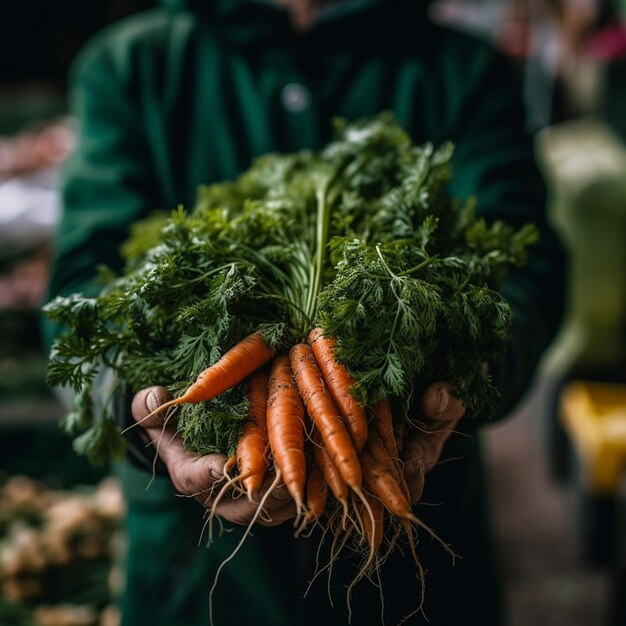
{"x": 339, "y": 383}
{"x": 383, "y": 423}
{"x": 285, "y": 428}
{"x": 232, "y": 368}
{"x": 316, "y": 495}
{"x": 324, "y": 415}
{"x": 381, "y": 477}
{"x": 331, "y": 474}
{"x": 253, "y": 443}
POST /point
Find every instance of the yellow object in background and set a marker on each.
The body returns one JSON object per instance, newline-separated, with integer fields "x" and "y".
{"x": 594, "y": 416}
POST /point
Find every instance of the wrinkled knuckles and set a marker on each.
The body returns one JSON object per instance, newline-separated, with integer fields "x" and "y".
{"x": 185, "y": 480}
{"x": 415, "y": 468}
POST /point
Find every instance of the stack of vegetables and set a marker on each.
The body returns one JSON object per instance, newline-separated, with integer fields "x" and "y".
{"x": 305, "y": 304}
{"x": 58, "y": 551}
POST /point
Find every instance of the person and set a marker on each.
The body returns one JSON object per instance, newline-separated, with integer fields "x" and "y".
{"x": 188, "y": 93}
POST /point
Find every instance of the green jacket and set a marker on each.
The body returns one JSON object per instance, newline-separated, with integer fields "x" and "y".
{"x": 190, "y": 92}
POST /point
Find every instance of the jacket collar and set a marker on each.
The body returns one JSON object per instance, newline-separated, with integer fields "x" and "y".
{"x": 263, "y": 21}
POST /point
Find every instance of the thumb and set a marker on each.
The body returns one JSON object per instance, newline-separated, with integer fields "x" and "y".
{"x": 145, "y": 402}
{"x": 440, "y": 404}
{"x": 189, "y": 473}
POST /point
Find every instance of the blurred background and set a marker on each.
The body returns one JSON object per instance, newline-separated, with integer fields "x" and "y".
{"x": 557, "y": 465}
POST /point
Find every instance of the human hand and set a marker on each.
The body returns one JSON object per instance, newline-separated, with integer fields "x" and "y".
{"x": 199, "y": 476}
{"x": 424, "y": 441}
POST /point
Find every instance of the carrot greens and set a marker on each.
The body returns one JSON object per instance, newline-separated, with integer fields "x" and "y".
{"x": 361, "y": 238}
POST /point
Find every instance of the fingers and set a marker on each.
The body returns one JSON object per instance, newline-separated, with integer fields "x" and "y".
{"x": 192, "y": 475}
{"x": 424, "y": 442}
{"x": 439, "y": 403}
{"x": 199, "y": 476}
{"x": 423, "y": 446}
{"x": 189, "y": 473}
{"x": 420, "y": 454}
{"x": 278, "y": 507}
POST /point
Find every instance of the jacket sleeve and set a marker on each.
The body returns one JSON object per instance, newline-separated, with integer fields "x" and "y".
{"x": 108, "y": 180}
{"x": 495, "y": 163}
{"x": 108, "y": 183}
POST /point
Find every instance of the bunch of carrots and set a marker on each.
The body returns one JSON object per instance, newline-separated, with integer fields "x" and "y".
{"x": 306, "y": 427}
{"x": 361, "y": 239}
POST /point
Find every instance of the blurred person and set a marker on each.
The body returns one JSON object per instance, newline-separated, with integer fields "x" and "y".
{"x": 29, "y": 209}
{"x": 582, "y": 151}
{"x": 189, "y": 93}
{"x": 579, "y": 60}
{"x": 35, "y": 149}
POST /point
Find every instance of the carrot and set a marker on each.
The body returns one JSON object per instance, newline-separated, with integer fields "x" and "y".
{"x": 339, "y": 382}
{"x": 316, "y": 491}
{"x": 285, "y": 429}
{"x": 379, "y": 474}
{"x": 252, "y": 446}
{"x": 383, "y": 424}
{"x": 233, "y": 367}
{"x": 324, "y": 414}
{"x": 316, "y": 494}
{"x": 331, "y": 474}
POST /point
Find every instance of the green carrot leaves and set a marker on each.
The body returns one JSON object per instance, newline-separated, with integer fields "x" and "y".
{"x": 361, "y": 238}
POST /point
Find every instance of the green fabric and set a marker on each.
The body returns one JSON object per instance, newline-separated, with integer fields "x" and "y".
{"x": 174, "y": 97}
